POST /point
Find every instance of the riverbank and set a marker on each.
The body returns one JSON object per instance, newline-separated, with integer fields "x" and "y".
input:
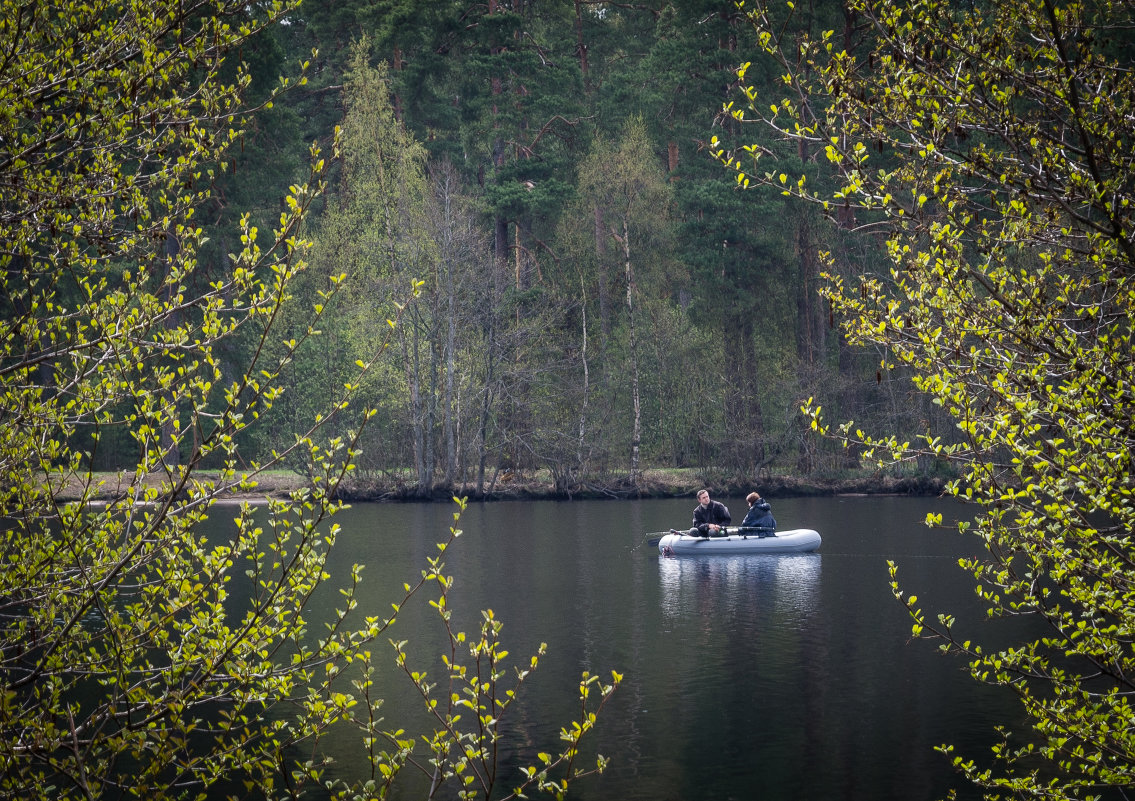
{"x": 653, "y": 483}
{"x": 669, "y": 483}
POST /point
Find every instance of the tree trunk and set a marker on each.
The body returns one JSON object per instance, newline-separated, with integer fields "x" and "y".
{"x": 580, "y": 459}
{"x": 450, "y": 370}
{"x": 636, "y": 435}
{"x": 486, "y": 406}
{"x": 431, "y": 401}
{"x": 744, "y": 415}
{"x": 809, "y": 317}
{"x": 580, "y": 46}
{"x": 171, "y": 453}
{"x": 496, "y": 275}
{"x": 601, "y": 280}
{"x": 413, "y": 382}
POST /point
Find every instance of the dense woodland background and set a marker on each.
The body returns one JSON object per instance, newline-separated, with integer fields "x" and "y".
{"x": 597, "y": 293}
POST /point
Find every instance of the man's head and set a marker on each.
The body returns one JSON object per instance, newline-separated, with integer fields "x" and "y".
{"x": 703, "y": 497}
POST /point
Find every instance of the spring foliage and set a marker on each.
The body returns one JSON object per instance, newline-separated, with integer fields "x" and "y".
{"x": 137, "y": 657}
{"x": 995, "y": 144}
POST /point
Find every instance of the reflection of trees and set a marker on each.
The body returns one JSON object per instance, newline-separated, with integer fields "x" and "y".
{"x": 754, "y": 667}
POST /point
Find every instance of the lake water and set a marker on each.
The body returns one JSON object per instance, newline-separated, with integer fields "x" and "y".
{"x": 753, "y": 677}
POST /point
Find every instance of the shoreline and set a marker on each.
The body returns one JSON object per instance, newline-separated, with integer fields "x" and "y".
{"x": 668, "y": 483}
{"x": 651, "y": 486}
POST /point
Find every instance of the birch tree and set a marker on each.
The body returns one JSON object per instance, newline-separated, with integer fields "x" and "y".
{"x": 114, "y": 644}
{"x": 137, "y": 656}
{"x": 995, "y": 144}
{"x": 379, "y": 236}
{"x": 627, "y": 195}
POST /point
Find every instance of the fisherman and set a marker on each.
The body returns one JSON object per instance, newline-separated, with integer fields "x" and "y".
{"x": 759, "y": 516}
{"x": 710, "y": 517}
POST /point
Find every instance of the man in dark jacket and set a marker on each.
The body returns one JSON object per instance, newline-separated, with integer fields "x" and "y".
{"x": 710, "y": 517}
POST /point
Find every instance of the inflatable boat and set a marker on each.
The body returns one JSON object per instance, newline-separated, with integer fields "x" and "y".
{"x": 739, "y": 541}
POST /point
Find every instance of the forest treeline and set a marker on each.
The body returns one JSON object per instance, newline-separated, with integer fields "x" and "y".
{"x": 527, "y": 218}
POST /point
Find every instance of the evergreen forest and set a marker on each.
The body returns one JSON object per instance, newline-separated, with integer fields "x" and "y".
{"x": 578, "y": 286}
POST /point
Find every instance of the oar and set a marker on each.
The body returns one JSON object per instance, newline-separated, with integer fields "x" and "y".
{"x": 653, "y": 537}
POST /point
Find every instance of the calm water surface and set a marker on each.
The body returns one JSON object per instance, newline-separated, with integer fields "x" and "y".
{"x": 755, "y": 677}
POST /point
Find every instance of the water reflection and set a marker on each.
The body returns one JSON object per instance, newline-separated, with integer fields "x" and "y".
{"x": 770, "y": 677}
{"x": 790, "y": 581}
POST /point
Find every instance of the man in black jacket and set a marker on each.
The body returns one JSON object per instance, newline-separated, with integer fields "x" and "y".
{"x": 710, "y": 517}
